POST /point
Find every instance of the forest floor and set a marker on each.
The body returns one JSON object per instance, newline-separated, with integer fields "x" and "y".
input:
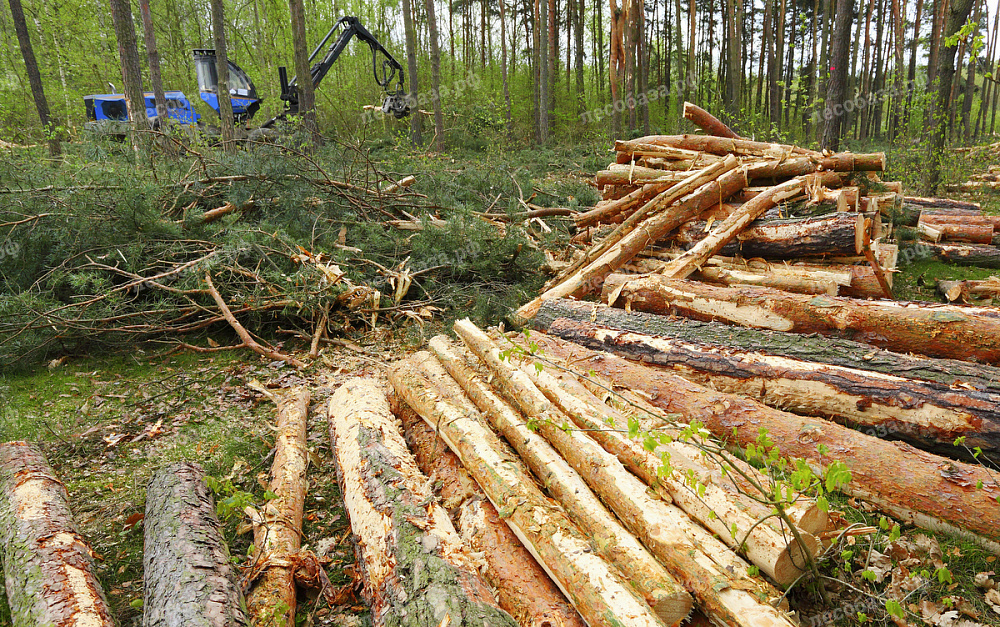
{"x": 107, "y": 421}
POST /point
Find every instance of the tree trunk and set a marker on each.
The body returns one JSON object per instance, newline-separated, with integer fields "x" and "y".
{"x": 452, "y": 372}
{"x": 598, "y": 591}
{"x": 928, "y": 415}
{"x": 734, "y": 66}
{"x": 708, "y": 122}
{"x": 415, "y": 567}
{"x": 957, "y": 15}
{"x": 524, "y": 590}
{"x": 226, "y": 122}
{"x": 921, "y": 328}
{"x": 917, "y": 487}
{"x": 128, "y": 54}
{"x": 34, "y": 76}
{"x": 508, "y": 111}
{"x": 432, "y": 33}
{"x": 837, "y": 87}
{"x": 277, "y": 531}
{"x": 306, "y": 87}
{"x": 153, "y": 55}
{"x": 410, "y": 33}
{"x": 48, "y": 569}
{"x": 689, "y": 553}
{"x": 189, "y": 578}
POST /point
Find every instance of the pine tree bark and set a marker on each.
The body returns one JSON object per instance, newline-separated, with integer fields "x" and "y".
{"x": 188, "y": 575}
{"x": 128, "y": 53}
{"x": 416, "y": 119}
{"x": 415, "y": 567}
{"x": 34, "y": 76}
{"x": 226, "y": 122}
{"x": 837, "y": 86}
{"x": 153, "y": 55}
{"x": 48, "y": 570}
{"x": 917, "y": 487}
{"x": 306, "y": 87}
{"x": 432, "y": 34}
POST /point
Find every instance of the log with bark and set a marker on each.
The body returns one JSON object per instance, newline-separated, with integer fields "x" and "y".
{"x": 457, "y": 380}
{"x": 598, "y": 591}
{"x": 708, "y": 122}
{"x": 608, "y": 212}
{"x": 627, "y": 174}
{"x": 961, "y": 254}
{"x": 926, "y": 329}
{"x": 620, "y": 247}
{"x": 732, "y": 226}
{"x": 415, "y": 567}
{"x": 702, "y": 563}
{"x": 966, "y": 291}
{"x": 930, "y": 415}
{"x": 932, "y": 218}
{"x": 721, "y": 146}
{"x": 48, "y": 568}
{"x": 971, "y": 229}
{"x": 916, "y": 487}
{"x": 188, "y": 576}
{"x": 277, "y": 528}
{"x": 836, "y": 352}
{"x": 523, "y": 588}
{"x": 835, "y": 234}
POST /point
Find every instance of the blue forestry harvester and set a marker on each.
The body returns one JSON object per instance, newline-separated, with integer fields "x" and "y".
{"x": 107, "y": 113}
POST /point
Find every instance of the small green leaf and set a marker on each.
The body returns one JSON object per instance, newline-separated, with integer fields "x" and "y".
{"x": 893, "y": 608}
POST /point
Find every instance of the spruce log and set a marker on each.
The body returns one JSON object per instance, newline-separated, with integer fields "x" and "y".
{"x": 914, "y": 486}
{"x": 611, "y": 540}
{"x": 523, "y": 589}
{"x": 835, "y": 352}
{"x": 926, "y": 329}
{"x": 598, "y": 591}
{"x": 688, "y": 552}
{"x": 188, "y": 576}
{"x": 415, "y": 567}
{"x": 277, "y": 531}
{"x": 962, "y": 254}
{"x": 966, "y": 290}
{"x": 834, "y": 234}
{"x": 779, "y": 556}
{"x": 929, "y": 415}
{"x": 708, "y": 122}
{"x": 624, "y": 244}
{"x": 730, "y": 228}
{"x": 48, "y": 569}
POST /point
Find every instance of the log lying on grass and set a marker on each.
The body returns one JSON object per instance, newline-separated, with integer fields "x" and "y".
{"x": 611, "y": 540}
{"x": 188, "y": 576}
{"x": 931, "y": 415}
{"x": 415, "y": 568}
{"x": 926, "y": 329}
{"x": 915, "y": 486}
{"x": 598, "y": 591}
{"x": 523, "y": 589}
{"x": 697, "y": 559}
{"x": 48, "y": 569}
{"x": 833, "y": 351}
{"x": 277, "y": 529}
{"x": 963, "y": 254}
{"x": 965, "y": 290}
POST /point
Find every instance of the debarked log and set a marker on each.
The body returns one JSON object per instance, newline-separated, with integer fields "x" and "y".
{"x": 597, "y": 590}
{"x": 915, "y": 486}
{"x": 930, "y": 415}
{"x": 415, "y": 567}
{"x": 188, "y": 576}
{"x": 523, "y": 588}
{"x": 48, "y": 568}
{"x": 927, "y": 329}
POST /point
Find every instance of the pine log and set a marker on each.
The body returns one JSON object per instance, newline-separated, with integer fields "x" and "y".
{"x": 965, "y": 290}
{"x": 188, "y": 576}
{"x": 967, "y": 232}
{"x": 930, "y": 415}
{"x": 835, "y": 352}
{"x": 963, "y": 254}
{"x": 721, "y": 146}
{"x": 523, "y": 589}
{"x": 607, "y": 212}
{"x": 277, "y": 531}
{"x": 636, "y": 175}
{"x": 48, "y": 569}
{"x": 779, "y": 556}
{"x": 708, "y": 122}
{"x": 415, "y": 567}
{"x": 926, "y": 329}
{"x": 941, "y": 203}
{"x": 617, "y": 250}
{"x": 598, "y": 591}
{"x": 610, "y": 539}
{"x": 626, "y": 151}
{"x": 834, "y": 234}
{"x": 930, "y": 217}
{"x": 730, "y": 228}
{"x": 914, "y": 486}
{"x": 688, "y": 552}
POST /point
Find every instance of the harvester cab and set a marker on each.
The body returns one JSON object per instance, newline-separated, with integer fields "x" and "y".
{"x": 242, "y": 92}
